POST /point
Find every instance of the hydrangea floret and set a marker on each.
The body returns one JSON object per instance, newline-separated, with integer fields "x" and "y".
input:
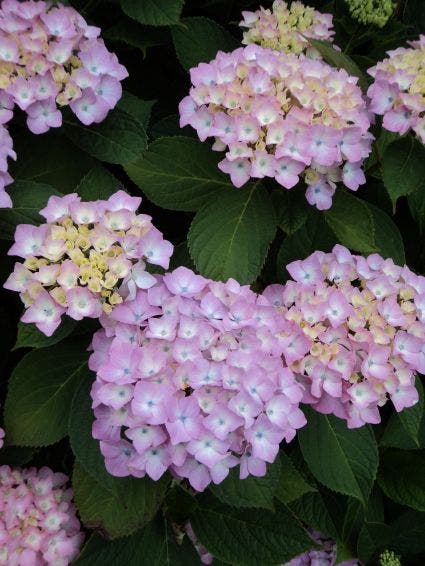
{"x": 188, "y": 379}
{"x": 375, "y": 12}
{"x": 2, "y": 435}
{"x": 357, "y": 335}
{"x": 6, "y": 151}
{"x": 49, "y": 58}
{"x": 38, "y": 522}
{"x": 85, "y": 258}
{"x": 287, "y": 28}
{"x": 281, "y": 116}
{"x": 398, "y": 90}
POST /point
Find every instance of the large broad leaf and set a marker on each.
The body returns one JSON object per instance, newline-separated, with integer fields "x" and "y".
{"x": 40, "y": 392}
{"x": 338, "y": 59}
{"x": 155, "y": 545}
{"x": 351, "y": 456}
{"x": 407, "y": 428}
{"x": 352, "y": 222}
{"x": 292, "y": 209}
{"x": 291, "y": 485}
{"x": 120, "y": 511}
{"x": 314, "y": 235}
{"x": 118, "y": 139}
{"x": 132, "y": 33}
{"x": 388, "y": 239}
{"x": 153, "y": 12}
{"x": 250, "y": 492}
{"x": 137, "y": 108}
{"x": 230, "y": 236}
{"x": 97, "y": 184}
{"x": 198, "y": 39}
{"x": 408, "y": 532}
{"x": 30, "y": 337}
{"x": 416, "y": 203}
{"x": 28, "y": 198}
{"x": 373, "y": 539}
{"x": 402, "y": 477}
{"x": 179, "y": 173}
{"x": 249, "y": 537}
{"x": 403, "y": 167}
{"x": 311, "y": 510}
{"x": 46, "y": 159}
{"x": 412, "y": 417}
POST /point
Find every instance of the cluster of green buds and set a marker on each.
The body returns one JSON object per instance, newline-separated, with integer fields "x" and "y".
{"x": 389, "y": 558}
{"x": 375, "y": 12}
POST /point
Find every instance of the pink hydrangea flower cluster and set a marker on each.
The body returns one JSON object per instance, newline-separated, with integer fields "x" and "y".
{"x": 287, "y": 28}
{"x": 6, "y": 151}
{"x": 188, "y": 379}
{"x": 38, "y": 522}
{"x": 357, "y": 332}
{"x": 84, "y": 258}
{"x": 2, "y": 435}
{"x": 398, "y": 90}
{"x": 50, "y": 57}
{"x": 281, "y": 116}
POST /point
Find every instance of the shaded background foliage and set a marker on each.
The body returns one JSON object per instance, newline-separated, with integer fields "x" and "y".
{"x": 365, "y": 487}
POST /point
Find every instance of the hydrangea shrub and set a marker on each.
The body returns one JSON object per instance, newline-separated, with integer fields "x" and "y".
{"x": 212, "y": 281}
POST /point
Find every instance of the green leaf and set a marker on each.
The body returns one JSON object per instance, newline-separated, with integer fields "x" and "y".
{"x": 30, "y": 337}
{"x": 352, "y": 222}
{"x": 137, "y": 108}
{"x": 249, "y": 537}
{"x": 314, "y": 235}
{"x": 230, "y": 236}
{"x": 292, "y": 209}
{"x": 155, "y": 545}
{"x": 40, "y": 392}
{"x": 406, "y": 429}
{"x": 408, "y": 533}
{"x": 198, "y": 39}
{"x": 28, "y": 198}
{"x": 373, "y": 538}
{"x": 45, "y": 159}
{"x": 416, "y": 202}
{"x": 339, "y": 60}
{"x": 402, "y": 477}
{"x": 388, "y": 239}
{"x": 97, "y": 184}
{"x": 312, "y": 510}
{"x": 121, "y": 511}
{"x": 130, "y": 32}
{"x": 179, "y": 173}
{"x": 403, "y": 167}
{"x": 118, "y": 139}
{"x": 84, "y": 446}
{"x": 411, "y": 417}
{"x": 250, "y": 492}
{"x": 351, "y": 458}
{"x": 153, "y": 12}
{"x": 291, "y": 484}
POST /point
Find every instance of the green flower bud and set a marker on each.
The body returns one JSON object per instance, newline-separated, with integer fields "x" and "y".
{"x": 388, "y": 558}
{"x": 375, "y": 12}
